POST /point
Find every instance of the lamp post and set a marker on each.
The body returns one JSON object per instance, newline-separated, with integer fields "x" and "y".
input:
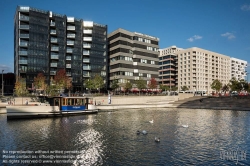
{"x": 2, "y": 82}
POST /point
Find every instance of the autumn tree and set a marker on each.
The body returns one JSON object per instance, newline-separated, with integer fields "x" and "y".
{"x": 20, "y": 87}
{"x": 152, "y": 84}
{"x": 61, "y": 80}
{"x": 39, "y": 82}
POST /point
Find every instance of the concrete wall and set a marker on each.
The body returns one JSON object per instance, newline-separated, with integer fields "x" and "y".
{"x": 135, "y": 99}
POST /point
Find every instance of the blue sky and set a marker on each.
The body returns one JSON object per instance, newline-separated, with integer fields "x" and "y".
{"x": 221, "y": 26}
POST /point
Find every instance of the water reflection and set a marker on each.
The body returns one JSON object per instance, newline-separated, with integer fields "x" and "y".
{"x": 110, "y": 138}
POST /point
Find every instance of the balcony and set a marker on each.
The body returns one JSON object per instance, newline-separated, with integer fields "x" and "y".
{"x": 54, "y": 48}
{"x": 71, "y": 35}
{"x": 52, "y": 24}
{"x": 68, "y": 65}
{"x": 87, "y": 31}
{"x": 87, "y": 38}
{"x": 23, "y": 44}
{"x": 86, "y": 53}
{"x": 53, "y": 32}
{"x": 53, "y": 40}
{"x": 71, "y": 28}
{"x": 68, "y": 58}
{"x": 54, "y": 56}
{"x": 24, "y": 36}
{"x": 68, "y": 73}
{"x": 70, "y": 42}
{"x": 23, "y": 62}
{"x": 86, "y": 60}
{"x": 24, "y": 18}
{"x": 86, "y": 75}
{"x": 23, "y": 52}
{"x": 24, "y": 26}
{"x": 69, "y": 50}
{"x": 86, "y": 45}
{"x": 53, "y": 64}
{"x": 86, "y": 68}
{"x": 52, "y": 72}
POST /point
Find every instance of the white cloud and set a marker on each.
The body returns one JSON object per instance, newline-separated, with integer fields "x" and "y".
{"x": 228, "y": 35}
{"x": 195, "y": 37}
{"x": 245, "y": 7}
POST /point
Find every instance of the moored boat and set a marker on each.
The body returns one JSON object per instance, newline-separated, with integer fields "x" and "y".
{"x": 55, "y": 106}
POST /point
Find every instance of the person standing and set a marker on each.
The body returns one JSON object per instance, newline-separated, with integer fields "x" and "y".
{"x": 109, "y": 98}
{"x": 26, "y": 102}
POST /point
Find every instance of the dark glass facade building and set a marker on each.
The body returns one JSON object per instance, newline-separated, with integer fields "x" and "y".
{"x": 132, "y": 55}
{"x": 46, "y": 42}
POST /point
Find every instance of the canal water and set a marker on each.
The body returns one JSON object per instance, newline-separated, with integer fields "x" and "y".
{"x": 211, "y": 137}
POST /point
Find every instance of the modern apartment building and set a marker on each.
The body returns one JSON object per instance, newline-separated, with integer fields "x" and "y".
{"x": 46, "y": 42}
{"x": 132, "y": 55}
{"x": 168, "y": 67}
{"x": 198, "y": 68}
{"x": 238, "y": 68}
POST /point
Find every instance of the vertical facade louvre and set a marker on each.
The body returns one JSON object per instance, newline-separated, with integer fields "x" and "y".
{"x": 47, "y": 42}
{"x": 132, "y": 56}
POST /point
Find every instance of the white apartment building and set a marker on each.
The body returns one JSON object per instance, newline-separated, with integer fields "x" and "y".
{"x": 198, "y": 68}
{"x": 238, "y": 68}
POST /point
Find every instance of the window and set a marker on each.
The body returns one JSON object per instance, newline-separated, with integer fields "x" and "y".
{"x": 152, "y": 62}
{"x": 143, "y": 61}
{"x": 149, "y": 75}
{"x": 140, "y": 74}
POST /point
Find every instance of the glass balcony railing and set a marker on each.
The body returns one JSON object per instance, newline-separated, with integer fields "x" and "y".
{"x": 54, "y": 48}
{"x": 54, "y": 56}
{"x": 68, "y": 65}
{"x": 69, "y": 50}
{"x": 86, "y": 68}
{"x": 24, "y": 26}
{"x": 87, "y": 38}
{"x": 70, "y": 42}
{"x": 24, "y": 35}
{"x": 53, "y": 32}
{"x": 24, "y": 18}
{"x": 23, "y": 62}
{"x": 71, "y": 28}
{"x": 23, "y": 52}
{"x": 86, "y": 75}
{"x": 86, "y": 60}
{"x": 52, "y": 72}
{"x": 52, "y": 24}
{"x": 68, "y": 74}
{"x": 85, "y": 53}
{"x": 53, "y": 40}
{"x": 53, "y": 64}
{"x": 71, "y": 35}
{"x": 86, "y": 45}
{"x": 87, "y": 31}
{"x": 23, "y": 44}
{"x": 68, "y": 58}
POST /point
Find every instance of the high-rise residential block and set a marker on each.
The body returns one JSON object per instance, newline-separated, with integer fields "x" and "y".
{"x": 46, "y": 42}
{"x": 132, "y": 55}
{"x": 238, "y": 68}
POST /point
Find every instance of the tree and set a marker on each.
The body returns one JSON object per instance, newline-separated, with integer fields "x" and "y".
{"x": 216, "y": 85}
{"x": 184, "y": 88}
{"x": 89, "y": 84}
{"x": 114, "y": 84}
{"x": 140, "y": 84}
{"x": 61, "y": 80}
{"x": 233, "y": 84}
{"x": 20, "y": 87}
{"x": 174, "y": 88}
{"x": 225, "y": 88}
{"x": 164, "y": 87}
{"x": 152, "y": 84}
{"x": 98, "y": 82}
{"x": 127, "y": 86}
{"x": 39, "y": 82}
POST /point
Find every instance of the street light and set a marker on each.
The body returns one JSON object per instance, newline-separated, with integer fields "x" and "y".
{"x": 2, "y": 82}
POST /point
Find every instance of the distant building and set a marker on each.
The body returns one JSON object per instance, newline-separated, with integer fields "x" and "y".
{"x": 168, "y": 67}
{"x": 238, "y": 68}
{"x": 132, "y": 55}
{"x": 46, "y": 42}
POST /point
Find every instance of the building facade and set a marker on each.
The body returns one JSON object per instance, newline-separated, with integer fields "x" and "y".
{"x": 47, "y": 42}
{"x": 198, "y": 68}
{"x": 238, "y": 68}
{"x": 132, "y": 55}
{"x": 168, "y": 67}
